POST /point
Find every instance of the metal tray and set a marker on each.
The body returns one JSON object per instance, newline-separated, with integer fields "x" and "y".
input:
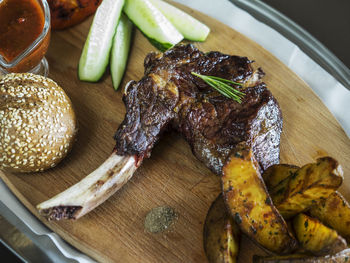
{"x": 262, "y": 12}
{"x": 296, "y": 34}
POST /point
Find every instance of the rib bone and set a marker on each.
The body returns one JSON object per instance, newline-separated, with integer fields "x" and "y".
{"x": 90, "y": 192}
{"x": 170, "y": 97}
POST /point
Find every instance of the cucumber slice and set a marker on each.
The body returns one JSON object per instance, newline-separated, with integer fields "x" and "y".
{"x": 153, "y": 24}
{"x": 95, "y": 56}
{"x": 188, "y": 26}
{"x": 120, "y": 50}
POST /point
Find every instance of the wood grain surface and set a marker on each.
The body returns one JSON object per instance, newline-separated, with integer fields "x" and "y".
{"x": 114, "y": 232}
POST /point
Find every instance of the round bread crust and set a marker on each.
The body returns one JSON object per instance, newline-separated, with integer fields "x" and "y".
{"x": 37, "y": 123}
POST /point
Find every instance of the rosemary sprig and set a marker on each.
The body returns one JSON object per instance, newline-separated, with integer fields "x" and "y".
{"x": 222, "y": 86}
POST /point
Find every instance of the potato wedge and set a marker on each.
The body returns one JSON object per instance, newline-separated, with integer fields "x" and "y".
{"x": 277, "y": 173}
{"x": 341, "y": 257}
{"x": 307, "y": 186}
{"x": 316, "y": 238}
{"x": 335, "y": 213}
{"x": 250, "y": 205}
{"x": 221, "y": 235}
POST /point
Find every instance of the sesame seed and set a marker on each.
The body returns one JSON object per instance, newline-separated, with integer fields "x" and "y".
{"x": 32, "y": 123}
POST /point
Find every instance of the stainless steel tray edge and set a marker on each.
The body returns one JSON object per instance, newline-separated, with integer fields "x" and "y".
{"x": 296, "y": 34}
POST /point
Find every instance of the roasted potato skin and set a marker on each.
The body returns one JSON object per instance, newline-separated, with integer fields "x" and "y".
{"x": 341, "y": 257}
{"x": 279, "y": 259}
{"x": 307, "y": 186}
{"x": 221, "y": 236}
{"x": 316, "y": 238}
{"x": 277, "y": 173}
{"x": 250, "y": 205}
{"x": 67, "y": 13}
{"x": 335, "y": 213}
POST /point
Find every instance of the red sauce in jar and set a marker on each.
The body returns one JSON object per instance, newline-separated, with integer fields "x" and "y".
{"x": 21, "y": 23}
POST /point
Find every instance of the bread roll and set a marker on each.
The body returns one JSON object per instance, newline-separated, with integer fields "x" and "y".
{"x": 37, "y": 123}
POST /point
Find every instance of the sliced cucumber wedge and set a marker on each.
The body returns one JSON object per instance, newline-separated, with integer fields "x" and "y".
{"x": 95, "y": 56}
{"x": 188, "y": 26}
{"x": 153, "y": 24}
{"x": 120, "y": 50}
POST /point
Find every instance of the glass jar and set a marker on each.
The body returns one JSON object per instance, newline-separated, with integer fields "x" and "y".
{"x": 16, "y": 28}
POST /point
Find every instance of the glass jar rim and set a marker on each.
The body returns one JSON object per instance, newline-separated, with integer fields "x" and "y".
{"x": 35, "y": 43}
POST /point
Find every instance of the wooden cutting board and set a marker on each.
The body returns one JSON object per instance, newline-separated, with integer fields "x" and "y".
{"x": 114, "y": 232}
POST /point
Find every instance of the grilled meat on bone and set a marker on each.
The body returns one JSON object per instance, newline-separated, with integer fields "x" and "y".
{"x": 170, "y": 97}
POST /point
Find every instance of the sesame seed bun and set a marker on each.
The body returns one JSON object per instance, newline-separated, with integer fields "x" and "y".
{"x": 37, "y": 123}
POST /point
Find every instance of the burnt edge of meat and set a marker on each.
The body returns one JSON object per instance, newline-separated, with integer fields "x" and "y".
{"x": 61, "y": 212}
{"x": 257, "y": 122}
{"x": 149, "y": 109}
{"x": 170, "y": 97}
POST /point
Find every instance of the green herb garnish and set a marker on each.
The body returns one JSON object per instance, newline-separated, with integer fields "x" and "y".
{"x": 222, "y": 86}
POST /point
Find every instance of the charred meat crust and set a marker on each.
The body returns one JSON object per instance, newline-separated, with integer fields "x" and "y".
{"x": 149, "y": 107}
{"x": 61, "y": 212}
{"x": 170, "y": 97}
{"x": 215, "y": 127}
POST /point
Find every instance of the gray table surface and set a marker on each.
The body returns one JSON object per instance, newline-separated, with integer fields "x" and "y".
{"x": 328, "y": 21}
